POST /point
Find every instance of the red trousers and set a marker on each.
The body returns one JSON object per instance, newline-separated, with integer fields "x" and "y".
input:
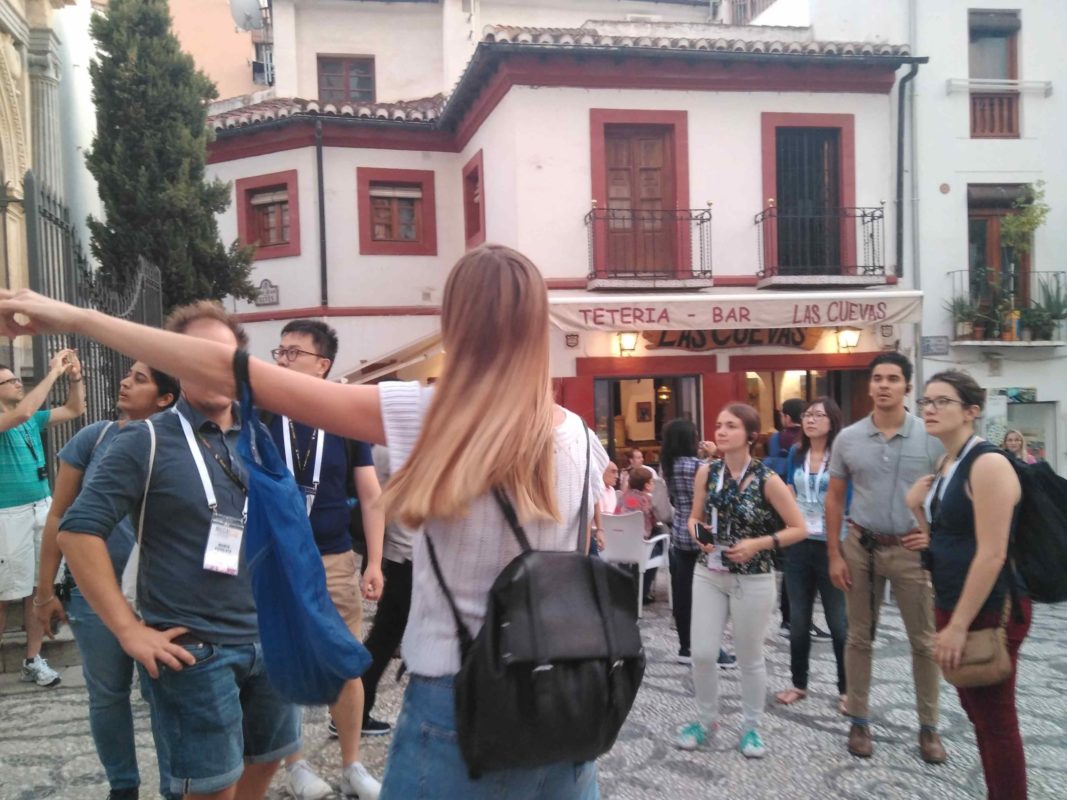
{"x": 991, "y": 709}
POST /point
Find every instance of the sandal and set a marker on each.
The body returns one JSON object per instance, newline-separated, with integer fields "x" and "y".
{"x": 842, "y": 705}
{"x": 791, "y": 695}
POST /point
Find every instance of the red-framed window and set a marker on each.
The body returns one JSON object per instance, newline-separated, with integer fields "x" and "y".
{"x": 993, "y": 54}
{"x": 819, "y": 191}
{"x": 268, "y": 214}
{"x": 346, "y": 79}
{"x": 397, "y": 212}
{"x": 474, "y": 201}
{"x": 640, "y": 175}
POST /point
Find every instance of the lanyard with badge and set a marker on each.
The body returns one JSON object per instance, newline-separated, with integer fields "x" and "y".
{"x": 223, "y": 552}
{"x": 812, "y": 508}
{"x": 318, "y": 436}
{"x": 723, "y": 542}
{"x": 42, "y": 471}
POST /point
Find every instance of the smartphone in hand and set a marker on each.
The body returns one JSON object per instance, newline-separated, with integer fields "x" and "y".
{"x": 704, "y": 534}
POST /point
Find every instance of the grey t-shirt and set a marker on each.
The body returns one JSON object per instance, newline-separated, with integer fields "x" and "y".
{"x": 84, "y": 452}
{"x": 882, "y": 471}
{"x": 173, "y": 588}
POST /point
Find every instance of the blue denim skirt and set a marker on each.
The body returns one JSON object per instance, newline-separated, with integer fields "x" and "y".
{"x": 425, "y": 760}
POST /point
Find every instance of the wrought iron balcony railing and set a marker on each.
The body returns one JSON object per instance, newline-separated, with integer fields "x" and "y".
{"x": 649, "y": 244}
{"x": 829, "y": 242}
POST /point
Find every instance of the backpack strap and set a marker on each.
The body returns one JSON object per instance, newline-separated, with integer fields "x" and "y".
{"x": 584, "y": 509}
{"x": 148, "y": 477}
{"x": 465, "y": 638}
{"x": 100, "y": 438}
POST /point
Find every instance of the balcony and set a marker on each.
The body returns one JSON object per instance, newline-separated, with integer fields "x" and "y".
{"x": 995, "y": 115}
{"x": 636, "y": 248}
{"x": 1013, "y": 308}
{"x": 825, "y": 248}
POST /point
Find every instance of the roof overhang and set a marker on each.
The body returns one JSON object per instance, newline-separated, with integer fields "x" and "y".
{"x": 630, "y": 312}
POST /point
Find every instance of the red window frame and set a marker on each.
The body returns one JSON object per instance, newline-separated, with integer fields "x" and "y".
{"x": 426, "y": 245}
{"x": 678, "y": 121}
{"x": 347, "y": 61}
{"x": 244, "y": 189}
{"x": 770, "y": 121}
{"x": 474, "y": 201}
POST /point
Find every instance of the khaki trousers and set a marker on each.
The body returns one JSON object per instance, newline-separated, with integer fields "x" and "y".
{"x": 915, "y": 599}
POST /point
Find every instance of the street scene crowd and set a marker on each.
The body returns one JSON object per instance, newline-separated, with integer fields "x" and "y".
{"x": 139, "y": 544}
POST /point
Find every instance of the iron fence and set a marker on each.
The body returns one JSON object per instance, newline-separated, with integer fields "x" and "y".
{"x": 1009, "y": 304}
{"x": 825, "y": 242}
{"x": 60, "y": 268}
{"x": 642, "y": 244}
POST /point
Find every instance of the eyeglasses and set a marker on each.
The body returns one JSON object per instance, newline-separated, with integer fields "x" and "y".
{"x": 814, "y": 415}
{"x": 940, "y": 403}
{"x": 291, "y": 353}
{"x": 10, "y": 380}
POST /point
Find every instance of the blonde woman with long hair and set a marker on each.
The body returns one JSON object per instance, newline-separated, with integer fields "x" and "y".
{"x": 489, "y": 421}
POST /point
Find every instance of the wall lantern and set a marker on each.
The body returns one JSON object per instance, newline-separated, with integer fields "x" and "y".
{"x": 627, "y": 343}
{"x": 848, "y": 338}
{"x": 663, "y": 394}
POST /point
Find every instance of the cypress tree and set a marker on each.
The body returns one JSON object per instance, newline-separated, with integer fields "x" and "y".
{"x": 148, "y": 159}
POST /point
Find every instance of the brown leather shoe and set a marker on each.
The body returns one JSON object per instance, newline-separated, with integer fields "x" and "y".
{"x": 931, "y": 749}
{"x": 859, "y": 741}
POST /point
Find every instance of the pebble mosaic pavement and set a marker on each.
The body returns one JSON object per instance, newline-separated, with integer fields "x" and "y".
{"x": 46, "y": 751}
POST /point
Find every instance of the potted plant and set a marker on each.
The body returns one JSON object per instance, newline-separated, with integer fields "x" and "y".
{"x": 1028, "y": 214}
{"x": 1035, "y": 323}
{"x": 963, "y": 313}
{"x": 1053, "y": 302}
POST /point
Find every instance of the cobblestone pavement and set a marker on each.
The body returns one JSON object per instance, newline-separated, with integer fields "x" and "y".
{"x": 46, "y": 751}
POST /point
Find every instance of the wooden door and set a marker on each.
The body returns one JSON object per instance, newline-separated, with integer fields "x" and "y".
{"x": 641, "y": 225}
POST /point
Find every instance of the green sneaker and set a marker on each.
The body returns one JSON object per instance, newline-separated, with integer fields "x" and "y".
{"x": 693, "y": 736}
{"x": 752, "y": 745}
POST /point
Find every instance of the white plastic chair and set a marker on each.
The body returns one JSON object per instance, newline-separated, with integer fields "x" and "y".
{"x": 625, "y": 543}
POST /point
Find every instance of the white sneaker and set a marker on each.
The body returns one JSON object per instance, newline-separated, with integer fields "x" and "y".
{"x": 36, "y": 670}
{"x": 357, "y": 782}
{"x": 303, "y": 784}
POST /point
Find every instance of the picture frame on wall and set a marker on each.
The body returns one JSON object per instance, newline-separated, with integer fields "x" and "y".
{"x": 644, "y": 412}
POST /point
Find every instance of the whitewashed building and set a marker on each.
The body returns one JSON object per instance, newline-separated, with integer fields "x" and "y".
{"x": 722, "y": 210}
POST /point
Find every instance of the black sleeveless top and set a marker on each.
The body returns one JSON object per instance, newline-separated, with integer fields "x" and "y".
{"x": 953, "y": 543}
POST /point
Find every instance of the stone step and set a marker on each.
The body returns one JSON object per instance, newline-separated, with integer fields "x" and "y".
{"x": 59, "y": 652}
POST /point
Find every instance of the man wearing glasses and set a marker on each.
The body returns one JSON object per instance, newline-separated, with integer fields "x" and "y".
{"x": 883, "y": 455}
{"x": 24, "y": 494}
{"x": 324, "y": 466}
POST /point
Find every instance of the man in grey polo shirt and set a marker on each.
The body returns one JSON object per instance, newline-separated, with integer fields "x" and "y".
{"x": 197, "y": 641}
{"x": 882, "y": 456}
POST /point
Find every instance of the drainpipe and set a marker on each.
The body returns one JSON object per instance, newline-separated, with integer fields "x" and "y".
{"x": 324, "y": 300}
{"x": 901, "y": 95}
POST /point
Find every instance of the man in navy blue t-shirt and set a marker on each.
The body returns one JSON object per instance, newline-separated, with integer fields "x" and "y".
{"x": 322, "y": 464}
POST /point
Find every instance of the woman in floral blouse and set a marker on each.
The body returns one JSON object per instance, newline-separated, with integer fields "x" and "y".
{"x": 741, "y": 504}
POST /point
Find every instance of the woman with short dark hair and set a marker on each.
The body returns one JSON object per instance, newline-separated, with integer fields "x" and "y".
{"x": 968, "y": 510}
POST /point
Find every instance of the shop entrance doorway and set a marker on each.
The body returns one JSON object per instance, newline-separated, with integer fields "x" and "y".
{"x": 631, "y": 412}
{"x": 768, "y": 389}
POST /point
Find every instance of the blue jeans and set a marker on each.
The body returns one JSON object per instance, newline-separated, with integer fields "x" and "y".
{"x": 807, "y": 571}
{"x": 218, "y": 713}
{"x": 425, "y": 762}
{"x": 108, "y": 675}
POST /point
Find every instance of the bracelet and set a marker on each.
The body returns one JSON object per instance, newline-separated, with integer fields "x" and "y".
{"x": 46, "y": 602}
{"x": 777, "y": 544}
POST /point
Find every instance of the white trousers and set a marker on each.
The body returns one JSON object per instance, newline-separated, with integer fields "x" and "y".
{"x": 748, "y": 600}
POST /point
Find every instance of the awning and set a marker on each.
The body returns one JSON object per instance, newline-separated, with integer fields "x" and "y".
{"x": 396, "y": 360}
{"x": 625, "y": 312}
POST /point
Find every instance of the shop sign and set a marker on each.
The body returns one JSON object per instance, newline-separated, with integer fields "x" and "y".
{"x": 736, "y": 312}
{"x": 702, "y": 341}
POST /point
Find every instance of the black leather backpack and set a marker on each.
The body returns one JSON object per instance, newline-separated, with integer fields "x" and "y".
{"x": 556, "y": 666}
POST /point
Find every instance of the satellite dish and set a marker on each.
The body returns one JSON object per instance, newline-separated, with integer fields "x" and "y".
{"x": 247, "y": 14}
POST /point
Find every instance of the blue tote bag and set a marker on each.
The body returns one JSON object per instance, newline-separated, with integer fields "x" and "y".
{"x": 308, "y": 649}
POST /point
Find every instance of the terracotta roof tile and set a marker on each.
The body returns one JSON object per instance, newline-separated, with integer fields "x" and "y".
{"x": 424, "y": 110}
{"x": 592, "y": 37}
